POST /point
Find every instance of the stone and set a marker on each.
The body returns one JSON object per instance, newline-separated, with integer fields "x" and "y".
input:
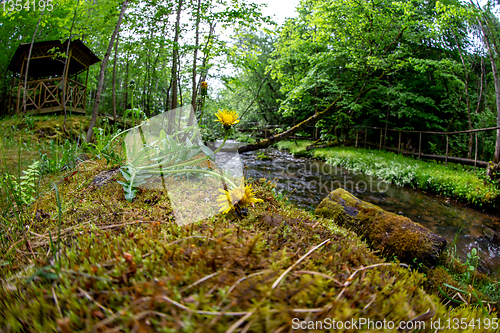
{"x": 387, "y": 232}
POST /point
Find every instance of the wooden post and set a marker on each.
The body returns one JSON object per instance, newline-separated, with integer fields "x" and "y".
{"x": 380, "y": 147}
{"x": 357, "y": 139}
{"x": 64, "y": 97}
{"x": 11, "y": 89}
{"x": 419, "y": 145}
{"x": 475, "y": 157}
{"x": 84, "y": 102}
{"x": 19, "y": 87}
{"x": 40, "y": 97}
{"x": 399, "y": 144}
{"x": 446, "y": 159}
{"x": 366, "y": 133}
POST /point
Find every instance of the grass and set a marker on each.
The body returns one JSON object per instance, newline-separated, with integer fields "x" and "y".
{"x": 93, "y": 261}
{"x": 456, "y": 181}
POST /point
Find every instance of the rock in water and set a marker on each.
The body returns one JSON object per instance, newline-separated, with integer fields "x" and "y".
{"x": 391, "y": 233}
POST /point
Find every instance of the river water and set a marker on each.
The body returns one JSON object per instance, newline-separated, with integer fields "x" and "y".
{"x": 306, "y": 182}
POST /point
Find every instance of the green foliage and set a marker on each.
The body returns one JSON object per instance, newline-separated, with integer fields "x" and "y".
{"x": 104, "y": 145}
{"x": 169, "y": 153}
{"x": 30, "y": 122}
{"x": 263, "y": 157}
{"x": 133, "y": 179}
{"x": 405, "y": 72}
{"x": 431, "y": 176}
{"x": 472, "y": 261}
{"x": 24, "y": 189}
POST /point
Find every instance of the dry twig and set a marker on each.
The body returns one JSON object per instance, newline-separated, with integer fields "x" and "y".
{"x": 277, "y": 282}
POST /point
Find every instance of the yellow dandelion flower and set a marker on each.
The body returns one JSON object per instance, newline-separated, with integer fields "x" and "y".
{"x": 227, "y": 118}
{"x": 224, "y": 201}
{"x": 249, "y": 195}
{"x": 240, "y": 197}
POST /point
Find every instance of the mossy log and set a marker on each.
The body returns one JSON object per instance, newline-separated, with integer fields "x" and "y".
{"x": 388, "y": 232}
{"x": 326, "y": 145}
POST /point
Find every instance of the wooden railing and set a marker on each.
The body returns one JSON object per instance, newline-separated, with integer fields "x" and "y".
{"x": 420, "y": 155}
{"x": 49, "y": 93}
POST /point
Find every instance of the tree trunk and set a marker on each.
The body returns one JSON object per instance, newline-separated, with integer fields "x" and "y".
{"x": 486, "y": 39}
{"x": 467, "y": 99}
{"x": 103, "y": 69}
{"x": 114, "y": 77}
{"x": 65, "y": 76}
{"x": 28, "y": 62}
{"x": 387, "y": 116}
{"x": 206, "y": 52}
{"x": 194, "y": 88}
{"x": 173, "y": 78}
{"x": 125, "y": 88}
{"x": 389, "y": 233}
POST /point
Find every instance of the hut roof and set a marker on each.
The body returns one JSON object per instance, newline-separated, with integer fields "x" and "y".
{"x": 43, "y": 63}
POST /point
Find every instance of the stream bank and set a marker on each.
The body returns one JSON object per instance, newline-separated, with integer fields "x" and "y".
{"x": 306, "y": 182}
{"x": 462, "y": 183}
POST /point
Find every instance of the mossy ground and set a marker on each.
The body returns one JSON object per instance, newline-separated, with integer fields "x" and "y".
{"x": 129, "y": 267}
{"x": 24, "y": 138}
{"x": 100, "y": 263}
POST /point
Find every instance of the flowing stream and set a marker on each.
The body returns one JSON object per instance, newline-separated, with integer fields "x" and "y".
{"x": 306, "y": 182}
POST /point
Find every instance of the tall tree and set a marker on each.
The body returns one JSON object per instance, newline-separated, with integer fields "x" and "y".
{"x": 65, "y": 71}
{"x": 490, "y": 42}
{"x": 102, "y": 71}
{"x": 194, "y": 89}
{"x": 114, "y": 76}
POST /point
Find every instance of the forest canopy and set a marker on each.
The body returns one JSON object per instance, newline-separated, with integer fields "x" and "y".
{"x": 414, "y": 65}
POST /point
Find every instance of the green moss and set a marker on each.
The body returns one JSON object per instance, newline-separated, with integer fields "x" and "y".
{"x": 387, "y": 232}
{"x": 264, "y": 157}
{"x": 127, "y": 266}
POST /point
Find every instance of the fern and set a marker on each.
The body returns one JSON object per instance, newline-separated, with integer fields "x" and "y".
{"x": 24, "y": 189}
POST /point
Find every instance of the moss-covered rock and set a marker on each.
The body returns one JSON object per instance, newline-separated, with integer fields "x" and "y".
{"x": 263, "y": 157}
{"x": 392, "y": 234}
{"x": 53, "y": 128}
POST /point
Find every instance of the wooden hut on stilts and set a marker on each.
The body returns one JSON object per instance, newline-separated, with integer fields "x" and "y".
{"x": 48, "y": 82}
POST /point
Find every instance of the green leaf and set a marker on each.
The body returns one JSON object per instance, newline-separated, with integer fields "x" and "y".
{"x": 130, "y": 193}
{"x": 49, "y": 276}
{"x": 208, "y": 152}
{"x": 125, "y": 173}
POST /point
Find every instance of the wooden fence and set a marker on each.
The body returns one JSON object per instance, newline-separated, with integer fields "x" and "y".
{"x": 420, "y": 155}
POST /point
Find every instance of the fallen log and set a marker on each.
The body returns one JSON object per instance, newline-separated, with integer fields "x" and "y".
{"x": 300, "y": 126}
{"x": 326, "y": 145}
{"x": 390, "y": 233}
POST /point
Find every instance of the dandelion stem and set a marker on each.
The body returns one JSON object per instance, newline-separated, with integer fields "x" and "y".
{"x": 222, "y": 145}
